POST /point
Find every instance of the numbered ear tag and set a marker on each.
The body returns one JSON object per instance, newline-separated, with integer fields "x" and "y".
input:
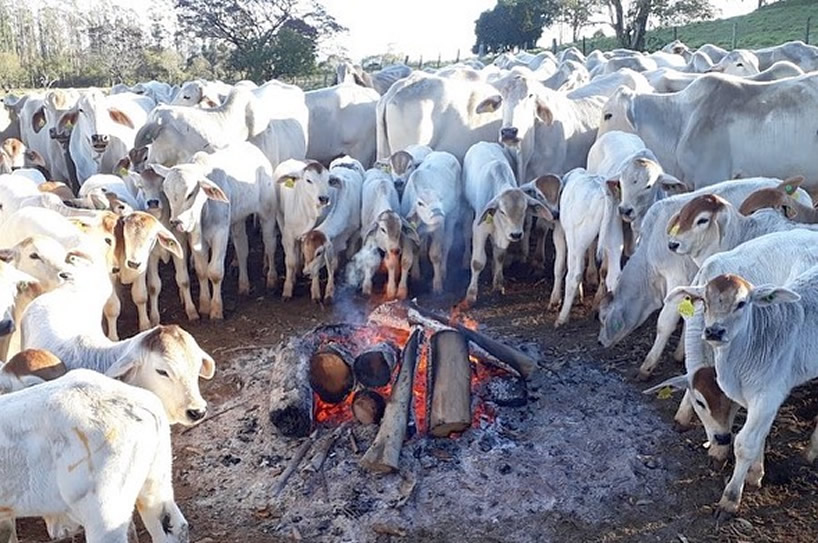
{"x": 686, "y": 308}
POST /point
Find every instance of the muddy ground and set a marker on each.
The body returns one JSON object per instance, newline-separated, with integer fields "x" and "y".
{"x": 224, "y": 468}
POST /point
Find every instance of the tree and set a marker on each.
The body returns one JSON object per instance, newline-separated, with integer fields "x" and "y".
{"x": 577, "y": 14}
{"x": 251, "y": 28}
{"x": 514, "y": 23}
{"x": 630, "y": 22}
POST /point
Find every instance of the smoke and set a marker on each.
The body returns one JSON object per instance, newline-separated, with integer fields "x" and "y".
{"x": 368, "y": 258}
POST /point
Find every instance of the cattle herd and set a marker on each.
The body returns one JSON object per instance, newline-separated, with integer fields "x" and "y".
{"x": 693, "y": 168}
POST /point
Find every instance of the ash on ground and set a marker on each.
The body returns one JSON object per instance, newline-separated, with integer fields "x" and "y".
{"x": 584, "y": 449}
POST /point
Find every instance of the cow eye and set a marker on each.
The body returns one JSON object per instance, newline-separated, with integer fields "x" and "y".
{"x": 608, "y": 116}
{"x": 700, "y": 403}
{"x": 309, "y": 181}
{"x": 703, "y": 220}
{"x": 383, "y": 230}
{"x": 190, "y": 196}
{"x": 34, "y": 256}
{"x": 421, "y": 204}
{"x": 109, "y": 241}
{"x": 740, "y": 305}
{"x": 186, "y": 97}
{"x": 531, "y": 95}
{"x": 740, "y": 65}
{"x": 163, "y": 373}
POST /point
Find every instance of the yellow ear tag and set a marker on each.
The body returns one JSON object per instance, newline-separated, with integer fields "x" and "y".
{"x": 665, "y": 393}
{"x": 489, "y": 219}
{"x": 674, "y": 230}
{"x": 79, "y": 224}
{"x": 686, "y": 308}
{"x": 122, "y": 172}
{"x": 69, "y": 125}
{"x": 384, "y": 167}
{"x": 289, "y": 182}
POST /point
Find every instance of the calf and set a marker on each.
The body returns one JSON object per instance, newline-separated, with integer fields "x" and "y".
{"x": 764, "y": 339}
{"x": 781, "y": 199}
{"x": 210, "y": 199}
{"x": 432, "y": 203}
{"x": 499, "y": 208}
{"x": 84, "y": 450}
{"x": 402, "y": 163}
{"x": 383, "y": 232}
{"x": 304, "y": 196}
{"x": 28, "y": 368}
{"x": 338, "y": 231}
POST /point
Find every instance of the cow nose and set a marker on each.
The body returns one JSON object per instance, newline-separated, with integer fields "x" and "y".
{"x": 175, "y": 222}
{"x": 509, "y": 133}
{"x": 516, "y": 236}
{"x": 673, "y": 245}
{"x": 100, "y": 139}
{"x": 714, "y": 333}
{"x": 323, "y": 200}
{"x": 626, "y": 212}
{"x": 133, "y": 265}
{"x": 395, "y": 251}
{"x": 722, "y": 439}
{"x": 196, "y": 414}
{"x": 556, "y": 214}
{"x": 65, "y": 276}
{"x": 153, "y": 204}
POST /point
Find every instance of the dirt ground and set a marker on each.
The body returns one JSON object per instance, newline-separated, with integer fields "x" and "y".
{"x": 675, "y": 503}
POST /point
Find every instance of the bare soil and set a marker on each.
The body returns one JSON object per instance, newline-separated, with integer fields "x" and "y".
{"x": 588, "y": 459}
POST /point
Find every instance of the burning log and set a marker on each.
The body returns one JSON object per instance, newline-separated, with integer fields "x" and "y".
{"x": 450, "y": 384}
{"x": 331, "y": 375}
{"x": 291, "y": 394}
{"x": 384, "y": 454}
{"x": 368, "y": 406}
{"x": 373, "y": 367}
{"x": 521, "y": 362}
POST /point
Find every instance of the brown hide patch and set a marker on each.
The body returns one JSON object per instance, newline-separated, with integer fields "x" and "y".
{"x": 763, "y": 199}
{"x": 401, "y": 161}
{"x": 728, "y": 282}
{"x": 312, "y": 241}
{"x": 13, "y": 147}
{"x": 67, "y": 121}
{"x": 120, "y": 117}
{"x": 56, "y": 187}
{"x": 317, "y": 167}
{"x": 704, "y": 380}
{"x": 687, "y": 215}
{"x": 37, "y": 363}
{"x": 550, "y": 187}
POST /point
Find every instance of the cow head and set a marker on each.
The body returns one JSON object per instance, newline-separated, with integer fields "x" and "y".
{"x": 728, "y": 301}
{"x": 523, "y": 103}
{"x": 387, "y": 232}
{"x": 197, "y": 93}
{"x": 95, "y": 119}
{"x": 741, "y": 63}
{"x": 44, "y": 259}
{"x": 311, "y": 184}
{"x": 638, "y": 184}
{"x": 167, "y": 361}
{"x": 402, "y": 165}
{"x": 505, "y": 215}
{"x": 13, "y": 284}
{"x": 314, "y": 247}
{"x": 617, "y": 113}
{"x": 779, "y": 198}
{"x": 697, "y": 229}
{"x": 188, "y": 190}
{"x": 136, "y": 235}
{"x": 150, "y": 183}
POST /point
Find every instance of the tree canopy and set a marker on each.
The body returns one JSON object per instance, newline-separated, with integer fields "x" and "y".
{"x": 513, "y": 23}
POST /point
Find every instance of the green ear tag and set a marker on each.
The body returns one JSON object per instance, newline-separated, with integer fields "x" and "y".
{"x": 665, "y": 393}
{"x": 686, "y": 308}
{"x": 289, "y": 182}
{"x": 789, "y": 189}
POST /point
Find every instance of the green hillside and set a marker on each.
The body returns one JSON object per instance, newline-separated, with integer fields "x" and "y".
{"x": 771, "y": 25}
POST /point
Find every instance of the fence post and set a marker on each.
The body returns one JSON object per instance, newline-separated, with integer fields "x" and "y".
{"x": 420, "y": 63}
{"x": 735, "y": 31}
{"x": 438, "y": 60}
{"x": 583, "y": 46}
{"x": 809, "y": 20}
{"x": 675, "y": 33}
{"x": 554, "y": 45}
{"x": 406, "y": 60}
{"x": 458, "y": 57}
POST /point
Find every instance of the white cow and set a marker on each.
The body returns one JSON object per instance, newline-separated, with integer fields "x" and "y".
{"x": 350, "y": 111}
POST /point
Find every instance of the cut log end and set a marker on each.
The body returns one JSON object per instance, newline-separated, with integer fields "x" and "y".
{"x": 331, "y": 376}
{"x": 373, "y": 367}
{"x": 368, "y": 406}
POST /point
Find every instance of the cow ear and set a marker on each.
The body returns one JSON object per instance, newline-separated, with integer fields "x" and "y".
{"x": 679, "y": 294}
{"x": 208, "y": 367}
{"x": 213, "y": 191}
{"x": 539, "y": 209}
{"x": 123, "y": 167}
{"x": 168, "y": 241}
{"x": 68, "y": 120}
{"x": 38, "y": 120}
{"x": 789, "y": 211}
{"x": 125, "y": 364}
{"x": 7, "y": 255}
{"x": 671, "y": 185}
{"x": 158, "y": 169}
{"x": 678, "y": 382}
{"x": 769, "y": 294}
{"x": 409, "y": 231}
{"x": 120, "y": 117}
{"x": 673, "y": 225}
{"x": 487, "y": 216}
{"x": 335, "y": 181}
{"x": 614, "y": 188}
{"x": 544, "y": 112}
{"x": 791, "y": 185}
{"x": 490, "y": 104}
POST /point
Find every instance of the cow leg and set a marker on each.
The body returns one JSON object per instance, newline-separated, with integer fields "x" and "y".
{"x": 812, "y": 451}
{"x": 679, "y": 353}
{"x": 684, "y": 414}
{"x": 756, "y": 472}
{"x": 315, "y": 286}
{"x": 139, "y": 295}
{"x": 183, "y": 284}
{"x": 332, "y": 268}
{"x": 215, "y": 272}
{"x": 290, "y": 263}
{"x": 559, "y": 266}
{"x": 239, "y": 231}
{"x": 407, "y": 262}
{"x": 154, "y": 286}
{"x": 665, "y": 325}
{"x": 578, "y": 243}
{"x": 478, "y": 261}
{"x": 748, "y": 447}
{"x": 499, "y": 260}
{"x": 270, "y": 236}
{"x": 8, "y": 531}
{"x": 392, "y": 263}
{"x": 111, "y": 310}
{"x": 437, "y": 257}
{"x": 417, "y": 271}
{"x": 200, "y": 265}
{"x": 529, "y": 224}
{"x": 366, "y": 285}
{"x": 539, "y": 252}
{"x": 592, "y": 271}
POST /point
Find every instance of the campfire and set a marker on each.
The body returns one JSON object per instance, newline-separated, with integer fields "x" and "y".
{"x": 407, "y": 370}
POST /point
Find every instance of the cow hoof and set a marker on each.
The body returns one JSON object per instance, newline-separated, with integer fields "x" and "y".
{"x": 680, "y": 428}
{"x": 717, "y": 463}
{"x": 216, "y": 315}
{"x": 559, "y": 322}
{"x": 244, "y": 290}
{"x": 403, "y": 293}
{"x": 725, "y": 510}
{"x": 329, "y": 298}
{"x": 643, "y": 375}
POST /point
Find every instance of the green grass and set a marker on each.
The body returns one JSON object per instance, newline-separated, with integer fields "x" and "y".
{"x": 777, "y": 23}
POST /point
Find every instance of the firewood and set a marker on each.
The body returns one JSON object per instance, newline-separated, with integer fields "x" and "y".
{"x": 373, "y": 367}
{"x": 331, "y": 375}
{"x": 281, "y": 482}
{"x": 384, "y": 453}
{"x": 290, "y": 392}
{"x": 368, "y": 406}
{"x": 450, "y": 385}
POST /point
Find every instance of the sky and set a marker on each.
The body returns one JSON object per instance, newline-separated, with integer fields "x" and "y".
{"x": 432, "y": 27}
